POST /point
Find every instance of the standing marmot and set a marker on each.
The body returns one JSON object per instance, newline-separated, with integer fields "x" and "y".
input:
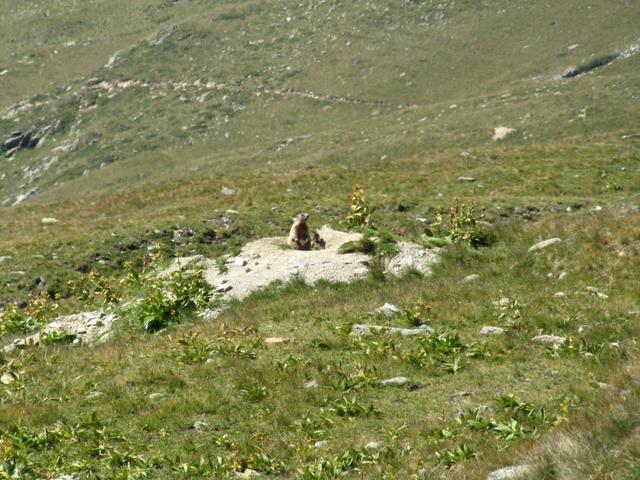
{"x": 299, "y": 237}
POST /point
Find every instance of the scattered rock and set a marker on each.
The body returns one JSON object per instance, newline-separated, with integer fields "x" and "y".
{"x": 559, "y": 295}
{"x": 552, "y": 340}
{"x": 86, "y": 327}
{"x": 373, "y": 445}
{"x": 595, "y": 291}
{"x": 320, "y": 443}
{"x": 366, "y": 330}
{"x": 276, "y": 340}
{"x": 113, "y": 59}
{"x": 156, "y": 396}
{"x": 223, "y": 287}
{"x": 504, "y": 301}
{"x": 562, "y": 275}
{"x": 5, "y": 258}
{"x": 248, "y": 473}
{"x": 7, "y": 379}
{"x": 49, "y": 221}
{"x": 388, "y": 310}
{"x": 466, "y": 179}
{"x": 311, "y": 384}
{"x": 501, "y": 132}
{"x": 163, "y": 35}
{"x": 545, "y": 244}
{"x": 200, "y": 426}
{"x": 395, "y": 381}
{"x": 227, "y": 191}
{"x": 489, "y": 330}
{"x": 19, "y": 140}
{"x": 457, "y": 396}
{"x": 510, "y": 473}
{"x": 471, "y": 278}
{"x": 210, "y": 314}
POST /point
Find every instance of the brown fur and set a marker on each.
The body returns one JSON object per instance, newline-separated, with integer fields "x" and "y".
{"x": 299, "y": 237}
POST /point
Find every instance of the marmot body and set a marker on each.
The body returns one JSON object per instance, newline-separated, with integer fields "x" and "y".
{"x": 299, "y": 237}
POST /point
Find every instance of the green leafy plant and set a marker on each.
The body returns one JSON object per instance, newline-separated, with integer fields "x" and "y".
{"x": 255, "y": 393}
{"x": 449, "y": 458}
{"x": 165, "y": 299}
{"x": 360, "y": 211}
{"x": 463, "y": 226}
{"x": 364, "y": 245}
{"x": 349, "y": 407}
{"x": 37, "y": 312}
{"x": 58, "y": 337}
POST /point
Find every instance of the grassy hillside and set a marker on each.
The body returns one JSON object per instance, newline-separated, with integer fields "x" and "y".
{"x": 146, "y": 110}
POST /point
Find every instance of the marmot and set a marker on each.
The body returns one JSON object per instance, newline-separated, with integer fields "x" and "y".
{"x": 299, "y": 237}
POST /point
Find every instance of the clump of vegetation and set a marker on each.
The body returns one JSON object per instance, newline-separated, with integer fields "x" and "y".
{"x": 36, "y": 314}
{"x": 464, "y": 226}
{"x": 416, "y": 316}
{"x": 364, "y": 245}
{"x": 361, "y": 211}
{"x": 95, "y": 286}
{"x": 166, "y": 299}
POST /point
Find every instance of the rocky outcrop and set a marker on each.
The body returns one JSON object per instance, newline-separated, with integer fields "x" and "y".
{"x": 85, "y": 327}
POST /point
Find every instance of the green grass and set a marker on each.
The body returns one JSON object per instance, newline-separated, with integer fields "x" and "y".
{"x": 407, "y": 97}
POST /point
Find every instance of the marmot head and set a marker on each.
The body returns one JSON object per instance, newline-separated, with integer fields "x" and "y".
{"x": 302, "y": 217}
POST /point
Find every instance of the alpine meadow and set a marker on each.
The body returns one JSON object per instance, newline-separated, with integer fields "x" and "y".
{"x": 458, "y": 293}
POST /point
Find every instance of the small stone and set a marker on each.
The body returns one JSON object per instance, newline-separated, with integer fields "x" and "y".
{"x": 504, "y": 301}
{"x": 471, "y": 278}
{"x": 553, "y": 340}
{"x": 388, "y": 310}
{"x": 466, "y": 179}
{"x": 457, "y": 396}
{"x": 156, "y": 396}
{"x": 545, "y": 244}
{"x": 501, "y": 132}
{"x": 248, "y": 473}
{"x": 311, "y": 384}
{"x": 49, "y": 221}
{"x": 510, "y": 473}
{"x": 320, "y": 443}
{"x": 7, "y": 379}
{"x": 489, "y": 330}
{"x": 373, "y": 446}
{"x": 395, "y": 381}
{"x": 200, "y": 426}
{"x": 595, "y": 291}
{"x": 276, "y": 340}
{"x": 223, "y": 287}
{"x": 562, "y": 275}
{"x": 227, "y": 191}
{"x": 209, "y": 314}
{"x": 368, "y": 330}
{"x": 559, "y": 295}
